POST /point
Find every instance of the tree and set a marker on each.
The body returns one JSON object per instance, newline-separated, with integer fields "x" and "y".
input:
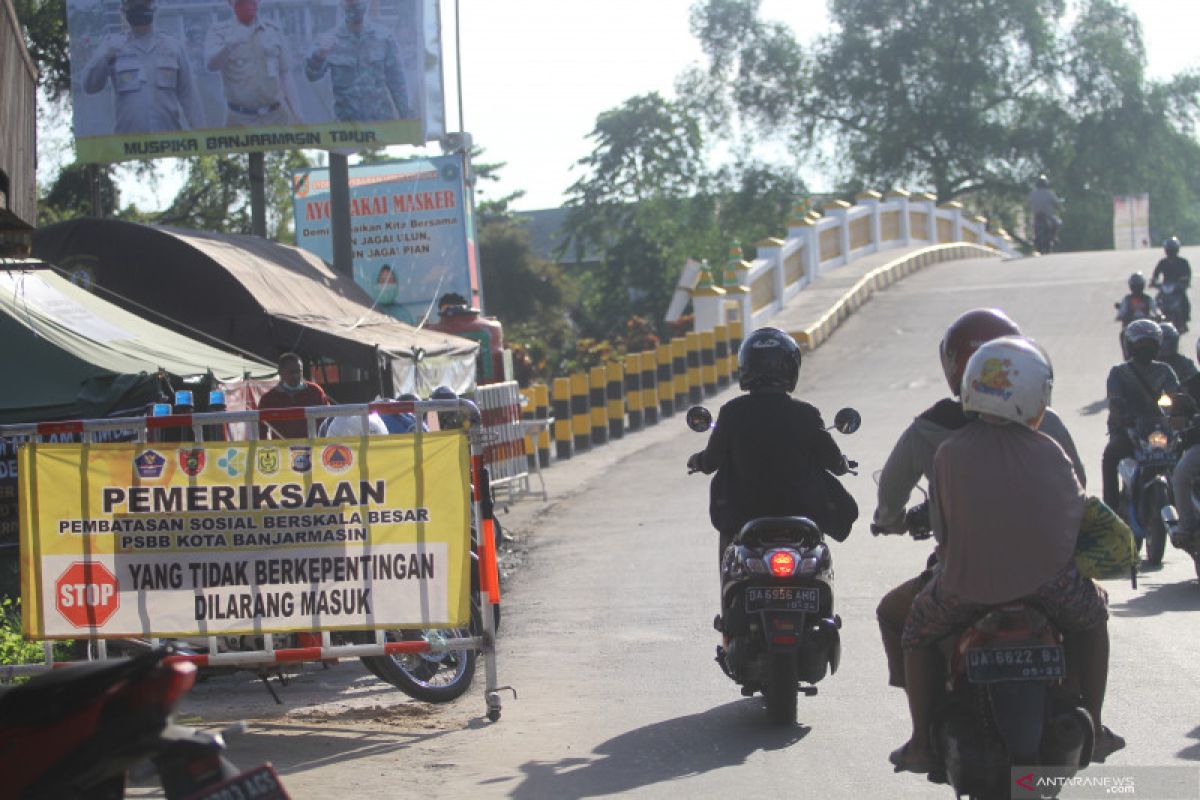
{"x": 215, "y": 196}
{"x": 971, "y": 99}
{"x": 648, "y": 202}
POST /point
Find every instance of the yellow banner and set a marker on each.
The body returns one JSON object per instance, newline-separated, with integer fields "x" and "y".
{"x": 182, "y": 539}
{"x": 179, "y": 144}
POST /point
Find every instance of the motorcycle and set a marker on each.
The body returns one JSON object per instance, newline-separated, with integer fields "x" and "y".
{"x": 777, "y": 602}
{"x": 1146, "y": 482}
{"x": 1045, "y": 232}
{"x": 1171, "y": 302}
{"x": 77, "y": 732}
{"x": 1004, "y": 703}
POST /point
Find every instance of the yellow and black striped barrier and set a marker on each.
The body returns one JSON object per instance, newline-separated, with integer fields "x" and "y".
{"x": 708, "y": 362}
{"x": 721, "y": 355}
{"x": 694, "y": 384}
{"x": 564, "y": 445}
{"x": 735, "y": 347}
{"x": 615, "y": 397}
{"x": 540, "y": 400}
{"x": 649, "y": 388}
{"x": 679, "y": 370}
{"x": 581, "y": 423}
{"x": 597, "y": 383}
{"x": 633, "y": 391}
{"x": 666, "y": 384}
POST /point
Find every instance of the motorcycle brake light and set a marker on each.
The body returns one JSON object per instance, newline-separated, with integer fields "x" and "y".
{"x": 783, "y": 564}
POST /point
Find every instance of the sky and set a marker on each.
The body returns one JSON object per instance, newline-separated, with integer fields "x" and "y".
{"x": 536, "y": 74}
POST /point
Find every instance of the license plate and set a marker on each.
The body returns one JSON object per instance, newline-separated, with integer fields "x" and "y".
{"x": 783, "y": 598}
{"x": 1033, "y": 663}
{"x": 260, "y": 783}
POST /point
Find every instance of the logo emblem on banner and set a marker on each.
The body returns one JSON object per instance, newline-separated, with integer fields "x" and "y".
{"x": 149, "y": 464}
{"x": 337, "y": 458}
{"x": 192, "y": 461}
{"x": 301, "y": 458}
{"x": 231, "y": 462}
{"x": 267, "y": 460}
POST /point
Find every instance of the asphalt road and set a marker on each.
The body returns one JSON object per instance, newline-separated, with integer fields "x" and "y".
{"x": 607, "y": 621}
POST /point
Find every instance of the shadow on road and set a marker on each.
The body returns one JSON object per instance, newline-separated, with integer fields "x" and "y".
{"x": 1159, "y": 598}
{"x": 1094, "y": 407}
{"x": 1191, "y": 752}
{"x": 724, "y": 736}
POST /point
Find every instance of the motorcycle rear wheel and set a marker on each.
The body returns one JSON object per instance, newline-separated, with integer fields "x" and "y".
{"x": 1156, "y": 529}
{"x": 782, "y": 688}
{"x": 432, "y": 678}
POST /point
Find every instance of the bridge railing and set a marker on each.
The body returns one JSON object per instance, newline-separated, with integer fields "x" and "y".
{"x": 816, "y": 243}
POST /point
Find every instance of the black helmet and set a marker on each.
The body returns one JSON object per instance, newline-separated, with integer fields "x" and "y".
{"x": 1170, "y": 339}
{"x": 1041, "y": 182}
{"x": 1137, "y": 282}
{"x": 447, "y": 419}
{"x": 769, "y": 360}
{"x": 1171, "y": 246}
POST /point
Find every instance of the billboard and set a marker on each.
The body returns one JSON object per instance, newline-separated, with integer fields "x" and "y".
{"x": 1131, "y": 221}
{"x": 412, "y": 232}
{"x": 190, "y": 539}
{"x": 159, "y": 78}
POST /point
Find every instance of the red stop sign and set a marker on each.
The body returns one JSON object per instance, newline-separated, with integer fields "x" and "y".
{"x": 87, "y": 594}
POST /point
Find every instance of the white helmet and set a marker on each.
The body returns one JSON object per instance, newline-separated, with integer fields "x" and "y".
{"x": 1011, "y": 378}
{"x": 335, "y": 427}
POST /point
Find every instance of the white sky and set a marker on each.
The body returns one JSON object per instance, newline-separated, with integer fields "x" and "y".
{"x": 536, "y": 73}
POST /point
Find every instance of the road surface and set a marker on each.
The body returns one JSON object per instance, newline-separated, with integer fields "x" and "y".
{"x": 607, "y": 633}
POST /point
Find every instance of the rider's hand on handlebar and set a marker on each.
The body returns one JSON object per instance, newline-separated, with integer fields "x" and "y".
{"x": 694, "y": 462}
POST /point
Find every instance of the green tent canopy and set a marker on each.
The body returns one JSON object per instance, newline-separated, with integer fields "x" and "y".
{"x": 69, "y": 354}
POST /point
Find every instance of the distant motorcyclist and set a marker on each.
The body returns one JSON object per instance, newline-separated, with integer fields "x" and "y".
{"x": 1137, "y": 304}
{"x": 1134, "y": 306}
{"x": 1174, "y": 271}
{"x": 1044, "y": 204}
{"x": 769, "y": 450}
{"x": 1169, "y": 354}
{"x": 912, "y": 458}
{"x": 1134, "y": 388}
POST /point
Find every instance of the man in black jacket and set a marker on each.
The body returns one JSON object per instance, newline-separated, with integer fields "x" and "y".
{"x": 770, "y": 451}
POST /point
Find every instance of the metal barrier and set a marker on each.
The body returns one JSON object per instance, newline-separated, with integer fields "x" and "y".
{"x": 504, "y": 448}
{"x": 87, "y": 603}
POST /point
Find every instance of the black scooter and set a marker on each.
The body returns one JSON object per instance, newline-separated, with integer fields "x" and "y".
{"x": 777, "y": 602}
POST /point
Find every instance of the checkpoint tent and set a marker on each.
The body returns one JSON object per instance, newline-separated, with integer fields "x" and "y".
{"x": 69, "y": 354}
{"x": 259, "y": 296}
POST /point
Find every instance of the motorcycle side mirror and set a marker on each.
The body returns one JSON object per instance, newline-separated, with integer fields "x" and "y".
{"x": 847, "y": 420}
{"x": 699, "y": 419}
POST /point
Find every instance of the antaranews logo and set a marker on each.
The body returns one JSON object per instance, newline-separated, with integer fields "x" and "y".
{"x": 1049, "y": 782}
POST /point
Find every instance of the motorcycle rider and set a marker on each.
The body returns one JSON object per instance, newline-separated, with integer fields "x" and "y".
{"x": 1137, "y": 304}
{"x": 1134, "y": 388}
{"x": 1174, "y": 269}
{"x": 1169, "y": 354}
{"x": 1010, "y": 511}
{"x": 912, "y": 458}
{"x": 1044, "y": 204}
{"x": 769, "y": 450}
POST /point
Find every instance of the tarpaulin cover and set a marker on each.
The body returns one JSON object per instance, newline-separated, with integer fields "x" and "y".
{"x": 71, "y": 354}
{"x": 258, "y": 295}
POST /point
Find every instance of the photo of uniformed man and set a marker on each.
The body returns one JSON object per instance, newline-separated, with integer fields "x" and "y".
{"x": 153, "y": 88}
{"x": 363, "y": 64}
{"x": 252, "y": 56}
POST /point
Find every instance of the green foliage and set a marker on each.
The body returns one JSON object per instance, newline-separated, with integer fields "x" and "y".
{"x": 215, "y": 195}
{"x": 14, "y": 647}
{"x": 44, "y": 24}
{"x": 647, "y": 203}
{"x": 971, "y": 99}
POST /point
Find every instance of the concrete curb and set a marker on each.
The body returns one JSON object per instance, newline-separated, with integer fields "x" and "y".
{"x": 814, "y": 335}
